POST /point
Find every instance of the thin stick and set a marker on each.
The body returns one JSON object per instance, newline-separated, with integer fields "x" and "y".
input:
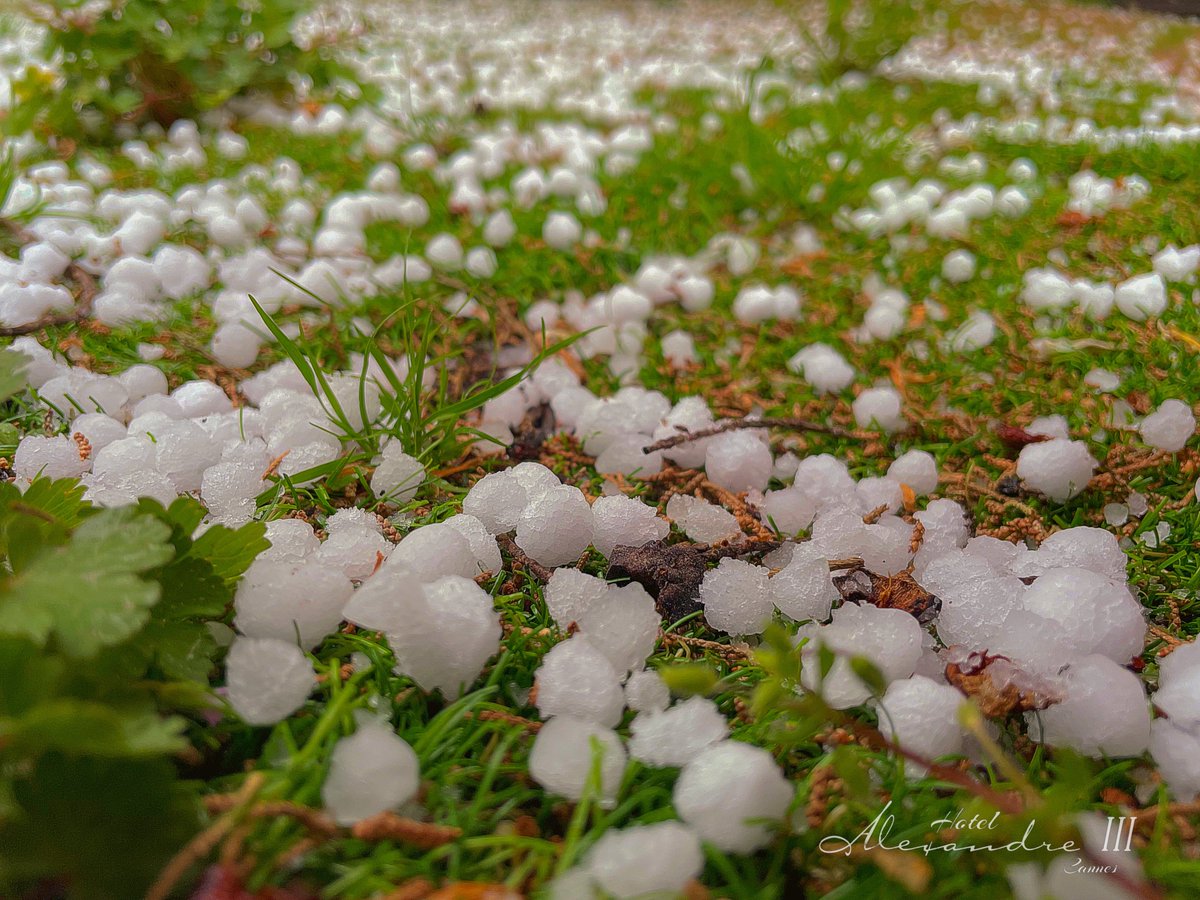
{"x": 731, "y": 424}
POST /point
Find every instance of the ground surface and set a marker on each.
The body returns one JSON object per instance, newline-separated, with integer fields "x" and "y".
{"x": 721, "y": 164}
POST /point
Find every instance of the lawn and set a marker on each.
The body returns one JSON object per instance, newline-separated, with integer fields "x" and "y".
{"x": 922, "y": 231}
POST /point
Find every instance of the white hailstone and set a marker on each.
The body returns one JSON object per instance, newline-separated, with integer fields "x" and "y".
{"x": 1176, "y": 752}
{"x": 1169, "y": 427}
{"x": 182, "y": 451}
{"x": 482, "y": 543}
{"x": 1095, "y": 614}
{"x": 561, "y": 230}
{"x": 889, "y": 638}
{"x": 201, "y": 398}
{"x": 688, "y": 415}
{"x": 1058, "y": 468}
{"x": 480, "y": 262}
{"x": 444, "y": 251}
{"x": 958, "y": 266}
{"x": 677, "y": 735}
{"x": 1142, "y": 297}
{"x": 1046, "y": 289}
{"x": 879, "y": 407}
{"x": 293, "y": 603}
{"x": 700, "y": 520}
{"x": 499, "y": 229}
{"x": 645, "y": 860}
{"x": 874, "y": 492}
{"x": 570, "y": 592}
{"x": 1104, "y": 711}
{"x": 1082, "y": 547}
{"x": 726, "y": 793}
{"x": 1094, "y": 300}
{"x": 497, "y": 500}
{"x": 826, "y": 370}
{"x": 50, "y": 457}
{"x": 398, "y": 476}
{"x": 1055, "y": 426}
{"x": 917, "y": 469}
{"x": 789, "y": 511}
{"x": 535, "y": 478}
{"x": 626, "y": 522}
{"x": 143, "y": 381}
{"x": 736, "y": 596}
{"x": 624, "y": 304}
{"x": 235, "y": 345}
{"x": 679, "y": 349}
{"x": 738, "y": 461}
{"x": 922, "y": 716}
{"x": 577, "y": 679}
{"x": 563, "y": 753}
{"x": 754, "y": 303}
{"x": 1177, "y": 265}
{"x": 292, "y": 540}
{"x": 444, "y": 634}
{"x": 435, "y": 550}
{"x": 267, "y": 679}
{"x": 229, "y": 489}
{"x": 99, "y": 429}
{"x": 623, "y": 626}
{"x": 624, "y": 455}
{"x": 556, "y": 526}
{"x": 371, "y": 771}
{"x": 352, "y": 517}
{"x": 741, "y": 255}
{"x": 803, "y": 588}
{"x": 977, "y": 330}
{"x": 355, "y": 551}
{"x": 646, "y": 692}
{"x": 695, "y": 293}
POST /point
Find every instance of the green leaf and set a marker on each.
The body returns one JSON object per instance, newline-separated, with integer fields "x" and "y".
{"x": 183, "y": 650}
{"x": 85, "y": 727}
{"x": 869, "y": 674}
{"x": 12, "y": 372}
{"x": 230, "y": 551}
{"x": 686, "y": 679}
{"x": 87, "y": 592}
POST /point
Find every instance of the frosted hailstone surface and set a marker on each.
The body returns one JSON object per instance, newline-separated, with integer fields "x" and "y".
{"x": 1169, "y": 427}
{"x": 922, "y": 716}
{"x": 482, "y": 544}
{"x": 497, "y": 500}
{"x": 290, "y": 602}
{"x": 917, "y": 469}
{"x": 879, "y": 407}
{"x": 623, "y": 521}
{"x": 674, "y": 736}
{"x": 398, "y": 475}
{"x": 623, "y": 626}
{"x": 562, "y": 755}
{"x": 370, "y": 771}
{"x": 737, "y": 597}
{"x": 570, "y": 592}
{"x": 444, "y": 633}
{"x": 556, "y": 526}
{"x": 435, "y": 550}
{"x": 726, "y": 792}
{"x": 889, "y": 638}
{"x": 804, "y": 588}
{"x": 51, "y": 457}
{"x": 1094, "y": 614}
{"x": 789, "y": 511}
{"x": 267, "y": 679}
{"x": 645, "y": 691}
{"x": 702, "y": 521}
{"x": 576, "y": 679}
{"x": 1058, "y": 468}
{"x": 291, "y": 540}
{"x": 1104, "y": 711}
{"x": 644, "y": 860}
{"x": 738, "y": 461}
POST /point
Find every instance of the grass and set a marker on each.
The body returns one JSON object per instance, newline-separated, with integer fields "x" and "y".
{"x": 474, "y": 769}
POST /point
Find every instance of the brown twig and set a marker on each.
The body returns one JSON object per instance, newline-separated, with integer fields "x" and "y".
{"x": 509, "y": 546}
{"x": 793, "y": 424}
{"x": 387, "y": 826}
